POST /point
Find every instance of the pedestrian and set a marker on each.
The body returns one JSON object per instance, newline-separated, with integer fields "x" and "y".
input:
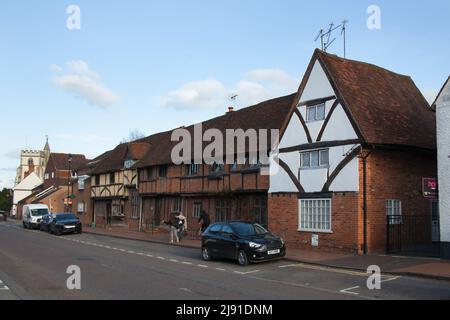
{"x": 204, "y": 221}
{"x": 181, "y": 225}
{"x": 174, "y": 228}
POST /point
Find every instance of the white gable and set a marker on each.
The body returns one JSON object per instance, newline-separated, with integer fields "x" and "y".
{"x": 294, "y": 135}
{"x": 29, "y": 183}
{"x": 339, "y": 127}
{"x": 318, "y": 85}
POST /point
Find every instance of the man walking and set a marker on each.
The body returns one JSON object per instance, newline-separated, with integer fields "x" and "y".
{"x": 204, "y": 221}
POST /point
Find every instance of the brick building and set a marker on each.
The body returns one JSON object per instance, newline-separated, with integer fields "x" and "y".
{"x": 357, "y": 144}
{"x": 227, "y": 192}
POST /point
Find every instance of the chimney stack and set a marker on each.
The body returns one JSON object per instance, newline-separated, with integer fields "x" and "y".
{"x": 230, "y": 109}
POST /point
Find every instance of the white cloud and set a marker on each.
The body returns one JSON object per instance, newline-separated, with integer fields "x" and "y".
{"x": 85, "y": 84}
{"x": 256, "y": 86}
{"x": 55, "y": 68}
{"x": 204, "y": 94}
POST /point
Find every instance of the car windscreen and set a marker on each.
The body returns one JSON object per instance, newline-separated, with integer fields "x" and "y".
{"x": 39, "y": 212}
{"x": 62, "y": 217}
{"x": 247, "y": 229}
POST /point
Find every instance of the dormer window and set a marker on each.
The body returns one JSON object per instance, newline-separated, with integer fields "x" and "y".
{"x": 315, "y": 112}
{"x": 128, "y": 164}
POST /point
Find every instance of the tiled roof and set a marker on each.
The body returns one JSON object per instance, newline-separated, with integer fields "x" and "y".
{"x": 61, "y": 160}
{"x": 266, "y": 115}
{"x": 387, "y": 108}
{"x": 114, "y": 160}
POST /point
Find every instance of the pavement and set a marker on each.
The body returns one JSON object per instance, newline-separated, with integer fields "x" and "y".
{"x": 34, "y": 265}
{"x": 396, "y": 265}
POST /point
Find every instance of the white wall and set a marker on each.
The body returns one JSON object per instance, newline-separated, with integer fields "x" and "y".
{"x": 443, "y": 141}
{"x": 339, "y": 128}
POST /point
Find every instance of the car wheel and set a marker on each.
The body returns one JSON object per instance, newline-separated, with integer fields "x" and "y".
{"x": 57, "y": 232}
{"x": 206, "y": 254}
{"x": 243, "y": 259}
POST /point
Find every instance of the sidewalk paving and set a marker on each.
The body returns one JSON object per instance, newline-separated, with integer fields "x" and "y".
{"x": 407, "y": 266}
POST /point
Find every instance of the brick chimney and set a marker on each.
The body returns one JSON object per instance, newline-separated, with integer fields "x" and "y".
{"x": 230, "y": 109}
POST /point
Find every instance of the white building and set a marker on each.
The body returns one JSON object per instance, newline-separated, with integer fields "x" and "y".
{"x": 442, "y": 106}
{"x": 32, "y": 161}
{"x": 24, "y": 189}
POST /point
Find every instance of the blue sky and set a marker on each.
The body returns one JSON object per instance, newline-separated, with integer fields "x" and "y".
{"x": 156, "y": 65}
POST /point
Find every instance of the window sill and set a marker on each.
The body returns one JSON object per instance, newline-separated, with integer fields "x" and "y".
{"x": 315, "y": 231}
{"x": 314, "y": 168}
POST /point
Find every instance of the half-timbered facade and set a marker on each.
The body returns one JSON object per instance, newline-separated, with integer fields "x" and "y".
{"x": 226, "y": 192}
{"x": 113, "y": 186}
{"x": 349, "y": 155}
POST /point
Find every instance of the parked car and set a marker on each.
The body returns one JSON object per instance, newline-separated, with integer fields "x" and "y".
{"x": 32, "y": 215}
{"x": 45, "y": 222}
{"x": 65, "y": 223}
{"x": 242, "y": 241}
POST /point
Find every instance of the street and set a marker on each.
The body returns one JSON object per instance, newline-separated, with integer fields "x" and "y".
{"x": 33, "y": 265}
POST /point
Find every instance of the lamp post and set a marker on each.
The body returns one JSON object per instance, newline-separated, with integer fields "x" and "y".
{"x": 69, "y": 182}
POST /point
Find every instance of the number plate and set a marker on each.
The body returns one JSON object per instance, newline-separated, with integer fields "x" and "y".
{"x": 272, "y": 252}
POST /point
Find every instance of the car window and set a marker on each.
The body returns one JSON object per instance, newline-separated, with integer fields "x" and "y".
{"x": 39, "y": 212}
{"x": 215, "y": 228}
{"x": 62, "y": 217}
{"x": 248, "y": 229}
{"x": 227, "y": 229}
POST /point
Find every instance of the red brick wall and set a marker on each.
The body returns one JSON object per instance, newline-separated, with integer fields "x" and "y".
{"x": 284, "y": 221}
{"x": 86, "y": 218}
{"x": 395, "y": 175}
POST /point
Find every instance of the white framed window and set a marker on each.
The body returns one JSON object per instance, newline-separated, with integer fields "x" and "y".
{"x": 315, "y": 159}
{"x": 315, "y": 112}
{"x": 198, "y": 207}
{"x": 394, "y": 211}
{"x": 81, "y": 207}
{"x": 81, "y": 183}
{"x": 315, "y": 215}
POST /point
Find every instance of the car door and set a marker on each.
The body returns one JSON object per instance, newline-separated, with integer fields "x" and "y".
{"x": 228, "y": 242}
{"x": 213, "y": 240}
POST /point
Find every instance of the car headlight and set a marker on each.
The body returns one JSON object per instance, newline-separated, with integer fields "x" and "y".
{"x": 282, "y": 242}
{"x": 255, "y": 245}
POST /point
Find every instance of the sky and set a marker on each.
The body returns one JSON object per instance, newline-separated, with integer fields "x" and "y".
{"x": 156, "y": 65}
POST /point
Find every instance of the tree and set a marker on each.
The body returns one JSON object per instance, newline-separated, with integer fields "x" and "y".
{"x": 134, "y": 135}
{"x": 5, "y": 200}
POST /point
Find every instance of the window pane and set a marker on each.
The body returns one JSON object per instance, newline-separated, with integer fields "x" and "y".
{"x": 324, "y": 158}
{"x": 305, "y": 160}
{"x": 311, "y": 114}
{"x": 314, "y": 159}
{"x": 321, "y": 112}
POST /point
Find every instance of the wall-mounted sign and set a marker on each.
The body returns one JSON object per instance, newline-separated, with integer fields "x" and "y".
{"x": 430, "y": 188}
{"x": 315, "y": 240}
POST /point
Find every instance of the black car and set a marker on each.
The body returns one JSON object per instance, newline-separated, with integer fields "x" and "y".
{"x": 242, "y": 241}
{"x": 65, "y": 223}
{"x": 45, "y": 222}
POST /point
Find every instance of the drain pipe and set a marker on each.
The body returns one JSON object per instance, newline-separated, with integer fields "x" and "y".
{"x": 364, "y": 159}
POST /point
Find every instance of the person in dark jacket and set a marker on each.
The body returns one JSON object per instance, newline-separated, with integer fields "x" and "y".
{"x": 204, "y": 221}
{"x": 174, "y": 224}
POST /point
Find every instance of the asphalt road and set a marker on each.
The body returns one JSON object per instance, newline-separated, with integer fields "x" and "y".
{"x": 33, "y": 265}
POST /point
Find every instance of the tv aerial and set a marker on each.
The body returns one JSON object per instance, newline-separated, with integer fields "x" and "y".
{"x": 326, "y": 37}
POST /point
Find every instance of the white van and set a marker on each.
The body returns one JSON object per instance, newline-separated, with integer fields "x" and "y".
{"x": 32, "y": 215}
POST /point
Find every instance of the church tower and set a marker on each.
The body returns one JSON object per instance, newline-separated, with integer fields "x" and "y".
{"x": 33, "y": 161}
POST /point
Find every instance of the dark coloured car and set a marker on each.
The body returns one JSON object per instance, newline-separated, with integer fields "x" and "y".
{"x": 242, "y": 241}
{"x": 65, "y": 223}
{"x": 45, "y": 222}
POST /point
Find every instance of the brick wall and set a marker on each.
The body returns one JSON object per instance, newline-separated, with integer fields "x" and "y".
{"x": 284, "y": 221}
{"x": 395, "y": 175}
{"x": 86, "y": 217}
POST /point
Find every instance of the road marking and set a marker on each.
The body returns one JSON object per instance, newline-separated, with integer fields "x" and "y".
{"x": 220, "y": 269}
{"x": 249, "y": 272}
{"x": 330, "y": 269}
{"x": 173, "y": 260}
{"x": 202, "y": 266}
{"x": 3, "y": 286}
{"x": 349, "y": 291}
{"x": 187, "y": 263}
{"x": 288, "y": 266}
{"x": 161, "y": 258}
{"x": 391, "y": 279}
{"x": 150, "y": 256}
